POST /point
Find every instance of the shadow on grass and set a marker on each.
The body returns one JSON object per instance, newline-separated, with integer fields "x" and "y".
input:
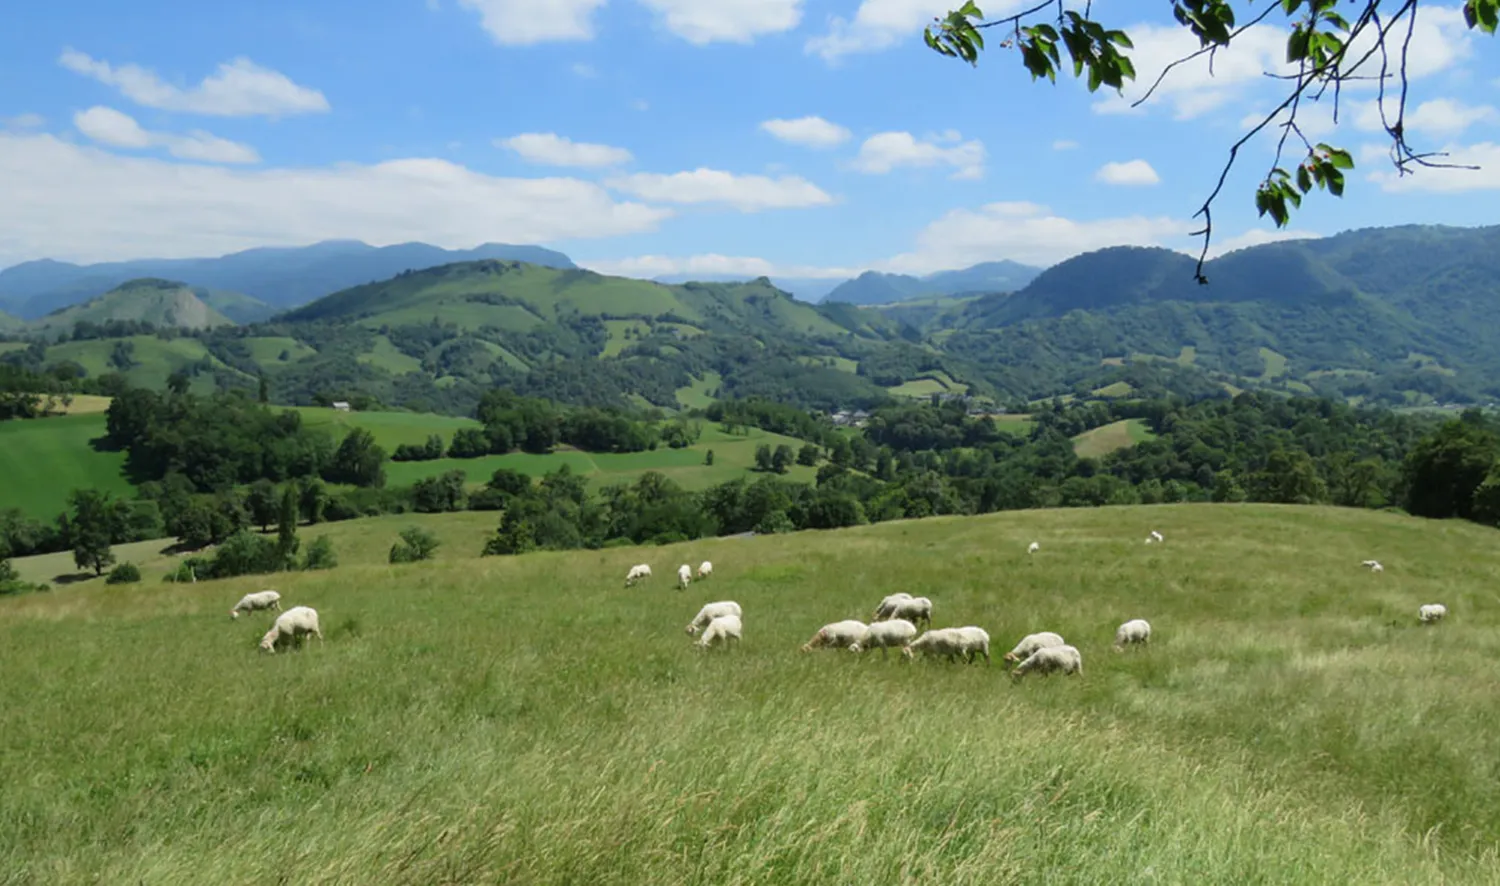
{"x": 73, "y": 578}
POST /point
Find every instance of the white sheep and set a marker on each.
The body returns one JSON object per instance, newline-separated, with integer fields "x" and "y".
{"x": 917, "y": 610}
{"x": 1377, "y": 568}
{"x": 967, "y": 641}
{"x": 1049, "y": 659}
{"x": 884, "y": 635}
{"x": 637, "y": 573}
{"x": 684, "y": 576}
{"x": 256, "y": 601}
{"x": 1137, "y": 630}
{"x": 888, "y": 605}
{"x": 1432, "y": 613}
{"x": 705, "y": 569}
{"x": 1369, "y": 564}
{"x": 722, "y": 630}
{"x": 711, "y": 611}
{"x": 1033, "y": 548}
{"x": 1156, "y": 537}
{"x": 1031, "y": 643}
{"x": 838, "y": 635}
{"x": 291, "y": 626}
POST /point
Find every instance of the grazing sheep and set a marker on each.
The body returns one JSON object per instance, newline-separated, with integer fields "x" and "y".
{"x": 951, "y": 642}
{"x": 256, "y": 601}
{"x": 888, "y": 605}
{"x": 917, "y": 610}
{"x": 1031, "y": 643}
{"x": 1049, "y": 659}
{"x": 711, "y": 611}
{"x": 723, "y": 630}
{"x": 884, "y": 635}
{"x": 1033, "y": 548}
{"x": 637, "y": 573}
{"x": 1377, "y": 568}
{"x": 291, "y": 626}
{"x": 684, "y": 576}
{"x": 839, "y": 635}
{"x": 1136, "y": 630}
{"x": 1369, "y": 564}
{"x": 1156, "y": 537}
{"x": 705, "y": 569}
{"x": 1432, "y": 613}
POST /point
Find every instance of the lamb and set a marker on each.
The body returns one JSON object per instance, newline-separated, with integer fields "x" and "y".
{"x": 1156, "y": 537}
{"x": 1033, "y": 548}
{"x": 883, "y": 635}
{"x": 838, "y": 635}
{"x": 257, "y": 601}
{"x": 1031, "y": 643}
{"x": 722, "y": 630}
{"x": 1432, "y": 613}
{"x": 705, "y": 569}
{"x": 951, "y": 642}
{"x": 888, "y": 605}
{"x": 711, "y": 611}
{"x": 637, "y": 573}
{"x": 684, "y": 576}
{"x": 916, "y": 610}
{"x": 1049, "y": 659}
{"x": 1373, "y": 565}
{"x": 291, "y": 626}
{"x": 1136, "y": 630}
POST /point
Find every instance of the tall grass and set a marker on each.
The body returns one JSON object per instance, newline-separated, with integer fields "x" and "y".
{"x": 528, "y": 720}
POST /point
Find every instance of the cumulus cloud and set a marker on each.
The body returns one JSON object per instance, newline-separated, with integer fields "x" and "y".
{"x": 1438, "y": 118}
{"x": 711, "y": 265}
{"x": 881, "y": 24}
{"x": 239, "y": 88}
{"x": 748, "y": 193}
{"x": 809, "y": 132}
{"x": 1485, "y": 155}
{"x": 22, "y": 121}
{"x": 524, "y": 22}
{"x": 1029, "y": 233}
{"x": 729, "y": 21}
{"x": 68, "y": 201}
{"x": 886, "y": 151}
{"x": 556, "y": 150}
{"x": 1131, "y": 172}
{"x": 110, "y": 127}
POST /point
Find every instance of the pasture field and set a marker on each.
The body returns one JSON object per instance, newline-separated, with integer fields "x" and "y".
{"x": 43, "y": 460}
{"x": 1101, "y": 441}
{"x": 528, "y": 720}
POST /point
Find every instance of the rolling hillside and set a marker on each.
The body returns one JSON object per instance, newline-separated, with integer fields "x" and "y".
{"x": 1290, "y": 721}
{"x": 282, "y": 277}
{"x": 9, "y": 323}
{"x": 161, "y": 303}
{"x": 875, "y": 288}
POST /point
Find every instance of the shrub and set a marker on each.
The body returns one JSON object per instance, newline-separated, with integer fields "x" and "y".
{"x": 125, "y": 573}
{"x": 319, "y": 554}
{"x": 191, "y": 569}
{"x": 415, "y": 544}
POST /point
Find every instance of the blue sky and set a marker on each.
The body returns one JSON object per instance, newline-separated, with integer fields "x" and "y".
{"x": 788, "y": 137}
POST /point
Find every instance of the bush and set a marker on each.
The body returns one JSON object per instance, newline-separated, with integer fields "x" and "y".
{"x": 189, "y": 570}
{"x": 319, "y": 554}
{"x": 415, "y": 544}
{"x": 125, "y": 573}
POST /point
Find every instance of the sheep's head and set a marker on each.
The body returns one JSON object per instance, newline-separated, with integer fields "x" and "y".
{"x": 1010, "y": 656}
{"x": 234, "y": 613}
{"x": 268, "y": 642}
{"x": 692, "y": 629}
{"x": 907, "y": 653}
{"x": 855, "y": 647}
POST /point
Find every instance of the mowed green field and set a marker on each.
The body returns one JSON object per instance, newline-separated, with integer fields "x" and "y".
{"x": 1101, "y": 441}
{"x": 528, "y": 720}
{"x": 43, "y": 460}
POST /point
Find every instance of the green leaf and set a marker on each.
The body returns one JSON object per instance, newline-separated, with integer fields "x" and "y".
{"x": 1340, "y": 158}
{"x": 1290, "y": 6}
{"x": 1296, "y": 46}
{"x": 1304, "y": 179}
{"x": 1336, "y": 183}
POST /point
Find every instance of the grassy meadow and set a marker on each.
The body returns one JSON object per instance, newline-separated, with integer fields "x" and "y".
{"x": 528, "y": 720}
{"x": 42, "y": 460}
{"x": 1103, "y": 440}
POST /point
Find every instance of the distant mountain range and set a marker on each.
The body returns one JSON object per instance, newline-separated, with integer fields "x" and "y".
{"x": 282, "y": 277}
{"x": 875, "y": 288}
{"x": 808, "y": 289}
{"x": 161, "y": 303}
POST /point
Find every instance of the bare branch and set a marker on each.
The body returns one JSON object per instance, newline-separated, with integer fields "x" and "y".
{"x": 1209, "y": 50}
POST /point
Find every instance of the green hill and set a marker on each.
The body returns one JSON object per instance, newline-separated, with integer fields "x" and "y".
{"x": 9, "y": 323}
{"x": 464, "y": 721}
{"x": 161, "y": 303}
{"x": 235, "y": 306}
{"x": 875, "y": 288}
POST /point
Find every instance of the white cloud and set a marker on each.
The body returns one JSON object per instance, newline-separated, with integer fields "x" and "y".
{"x": 80, "y": 203}
{"x": 110, "y": 127}
{"x": 748, "y": 193}
{"x": 881, "y": 24}
{"x": 1029, "y": 233}
{"x": 711, "y": 265}
{"x": 1131, "y": 172}
{"x": 1064, "y": 144}
{"x": 524, "y": 22}
{"x": 1257, "y": 237}
{"x": 1438, "y": 118}
{"x": 239, "y": 88}
{"x": 1485, "y": 155}
{"x": 731, "y": 21}
{"x": 883, "y": 152}
{"x": 1439, "y": 41}
{"x": 556, "y": 150}
{"x": 810, "y": 132}
{"x": 22, "y": 121}
{"x": 1190, "y": 88}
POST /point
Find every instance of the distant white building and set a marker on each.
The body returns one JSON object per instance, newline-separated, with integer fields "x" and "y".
{"x": 340, "y": 406}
